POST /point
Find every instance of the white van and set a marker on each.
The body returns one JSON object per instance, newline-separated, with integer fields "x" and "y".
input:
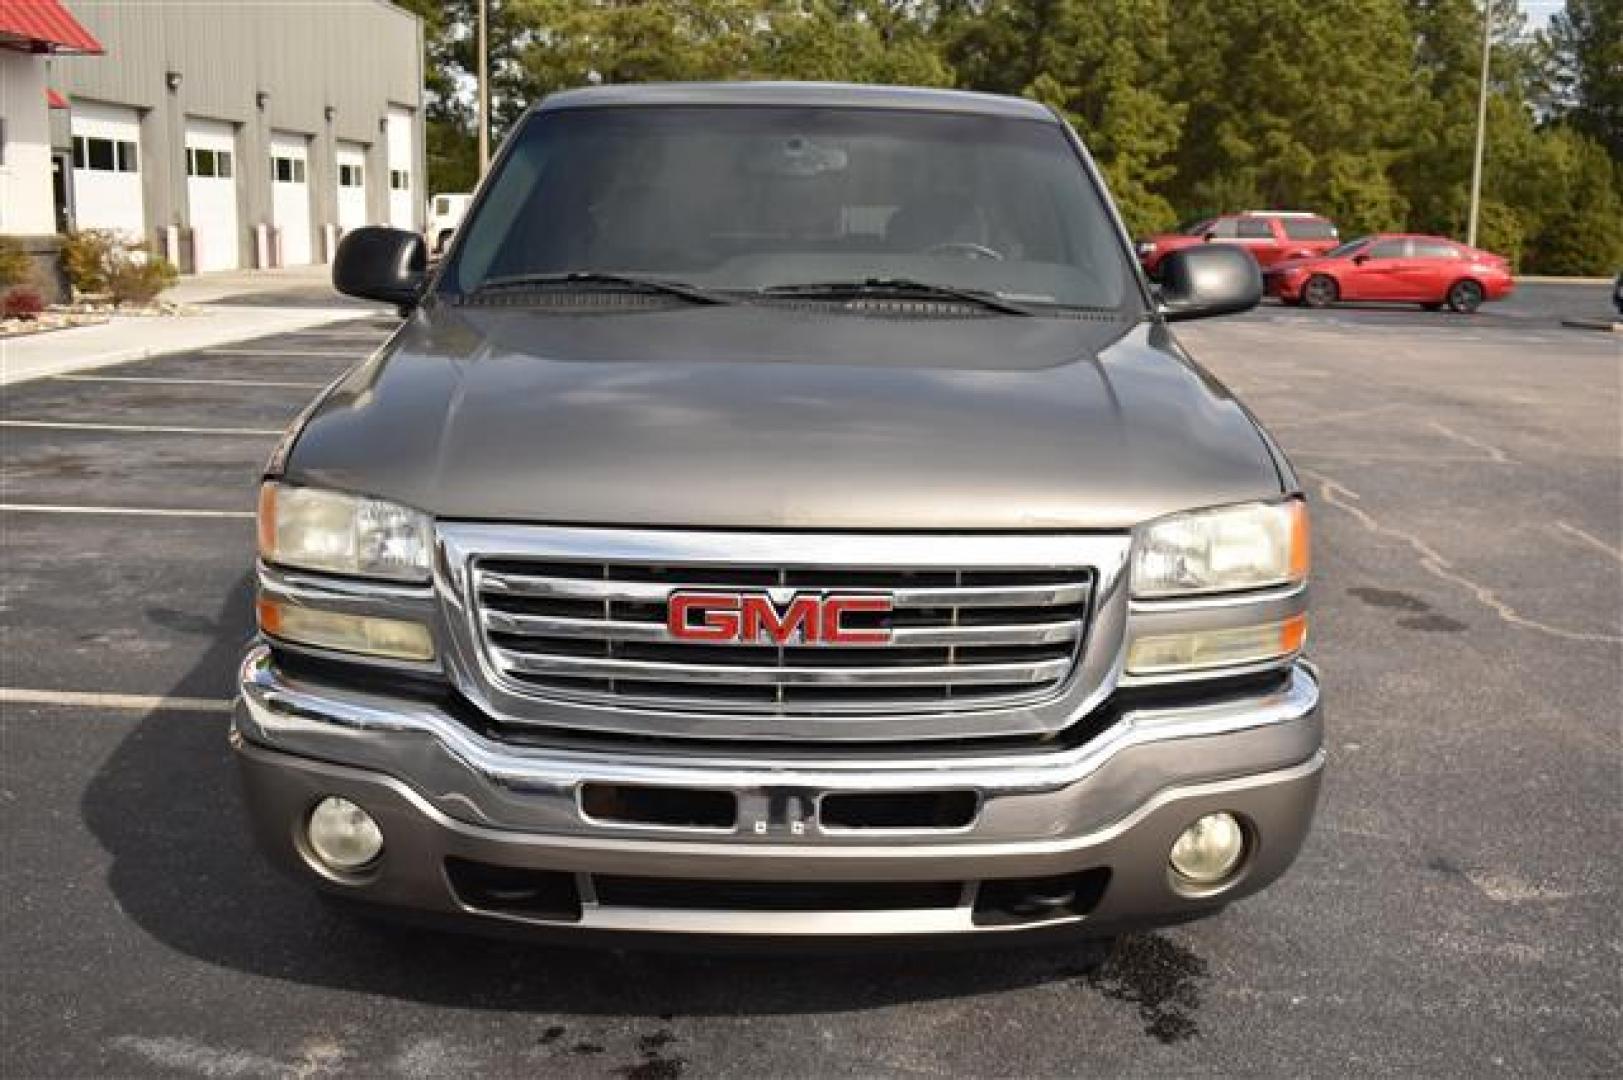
{"x": 444, "y": 215}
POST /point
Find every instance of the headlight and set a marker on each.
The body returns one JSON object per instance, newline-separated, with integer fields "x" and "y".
{"x": 1250, "y": 546}
{"x": 342, "y": 534}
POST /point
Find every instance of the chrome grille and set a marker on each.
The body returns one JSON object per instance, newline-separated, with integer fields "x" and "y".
{"x": 959, "y": 638}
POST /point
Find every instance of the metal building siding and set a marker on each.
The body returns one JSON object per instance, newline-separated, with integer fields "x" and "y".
{"x": 357, "y": 56}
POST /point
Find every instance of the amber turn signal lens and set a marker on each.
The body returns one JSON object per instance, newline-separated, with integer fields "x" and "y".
{"x": 267, "y": 520}
{"x": 1301, "y": 541}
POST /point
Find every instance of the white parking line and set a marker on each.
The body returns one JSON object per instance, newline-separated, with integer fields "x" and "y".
{"x": 348, "y": 335}
{"x": 187, "y": 382}
{"x": 135, "y": 429}
{"x": 139, "y": 702}
{"x": 137, "y": 511}
{"x": 346, "y": 354}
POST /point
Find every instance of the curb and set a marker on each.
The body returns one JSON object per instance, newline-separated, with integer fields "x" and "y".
{"x": 56, "y": 356}
{"x": 1605, "y": 325}
{"x": 1543, "y": 279}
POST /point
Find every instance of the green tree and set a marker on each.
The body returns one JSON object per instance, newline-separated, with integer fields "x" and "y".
{"x": 1585, "y": 42}
{"x": 1102, "y": 65}
{"x": 1294, "y": 104}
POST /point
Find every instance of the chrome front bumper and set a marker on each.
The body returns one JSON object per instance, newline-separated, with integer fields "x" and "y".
{"x": 441, "y": 791}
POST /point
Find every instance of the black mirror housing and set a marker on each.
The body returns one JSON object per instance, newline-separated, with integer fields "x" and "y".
{"x": 379, "y": 263}
{"x": 1197, "y": 283}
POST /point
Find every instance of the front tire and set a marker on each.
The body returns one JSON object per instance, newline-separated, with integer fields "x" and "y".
{"x": 1319, "y": 291}
{"x": 1464, "y": 296}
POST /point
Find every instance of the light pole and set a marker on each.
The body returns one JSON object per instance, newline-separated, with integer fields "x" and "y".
{"x": 1481, "y": 124}
{"x": 484, "y": 98}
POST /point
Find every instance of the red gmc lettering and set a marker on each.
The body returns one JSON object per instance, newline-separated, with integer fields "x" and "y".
{"x": 761, "y": 617}
{"x": 835, "y": 607}
{"x": 753, "y": 617}
{"x": 718, "y": 616}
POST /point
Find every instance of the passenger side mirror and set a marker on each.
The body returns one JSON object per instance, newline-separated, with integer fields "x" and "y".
{"x": 378, "y": 263}
{"x": 1197, "y": 283}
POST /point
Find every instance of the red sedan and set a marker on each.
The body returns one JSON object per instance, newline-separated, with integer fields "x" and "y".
{"x": 1427, "y": 270}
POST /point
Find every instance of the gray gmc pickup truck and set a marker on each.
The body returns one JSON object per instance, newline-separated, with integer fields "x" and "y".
{"x": 784, "y": 514}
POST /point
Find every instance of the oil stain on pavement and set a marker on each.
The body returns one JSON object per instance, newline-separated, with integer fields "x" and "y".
{"x": 1419, "y": 615}
{"x": 1158, "y": 976}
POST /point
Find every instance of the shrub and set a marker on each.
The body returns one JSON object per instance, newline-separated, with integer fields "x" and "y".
{"x": 87, "y": 256}
{"x": 139, "y": 280}
{"x": 100, "y": 262}
{"x": 21, "y": 302}
{"x": 16, "y": 268}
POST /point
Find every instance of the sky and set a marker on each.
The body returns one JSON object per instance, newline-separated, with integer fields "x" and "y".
{"x": 1538, "y": 12}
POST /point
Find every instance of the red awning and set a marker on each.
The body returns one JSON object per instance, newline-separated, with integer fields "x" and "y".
{"x": 44, "y": 26}
{"x": 54, "y": 100}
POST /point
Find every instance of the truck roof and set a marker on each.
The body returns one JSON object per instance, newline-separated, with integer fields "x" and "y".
{"x": 839, "y": 95}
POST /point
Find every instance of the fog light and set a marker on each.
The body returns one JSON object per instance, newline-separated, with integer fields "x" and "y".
{"x": 342, "y": 835}
{"x": 1209, "y": 850}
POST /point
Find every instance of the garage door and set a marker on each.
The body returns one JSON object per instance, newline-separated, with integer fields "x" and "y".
{"x": 402, "y": 184}
{"x": 211, "y": 193}
{"x": 107, "y": 169}
{"x": 351, "y": 186}
{"x": 290, "y": 195}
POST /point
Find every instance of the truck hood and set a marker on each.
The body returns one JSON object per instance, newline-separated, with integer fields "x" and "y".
{"x": 757, "y": 416}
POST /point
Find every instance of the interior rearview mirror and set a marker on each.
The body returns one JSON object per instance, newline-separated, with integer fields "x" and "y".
{"x": 379, "y": 263}
{"x": 1197, "y": 283}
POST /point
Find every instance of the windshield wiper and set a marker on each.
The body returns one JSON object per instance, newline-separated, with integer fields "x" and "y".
{"x": 600, "y": 277}
{"x": 905, "y": 288}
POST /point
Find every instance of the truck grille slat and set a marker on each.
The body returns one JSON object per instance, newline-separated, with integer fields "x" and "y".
{"x": 592, "y": 667}
{"x": 523, "y": 625}
{"x": 593, "y": 631}
{"x": 560, "y": 588}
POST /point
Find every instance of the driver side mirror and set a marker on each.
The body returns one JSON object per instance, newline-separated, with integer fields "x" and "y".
{"x": 378, "y": 263}
{"x": 1197, "y": 283}
{"x": 1360, "y": 260}
{"x": 1209, "y": 237}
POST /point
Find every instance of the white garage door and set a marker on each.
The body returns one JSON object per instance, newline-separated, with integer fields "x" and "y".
{"x": 351, "y": 186}
{"x": 211, "y": 193}
{"x": 403, "y": 199}
{"x": 107, "y": 169}
{"x": 290, "y": 195}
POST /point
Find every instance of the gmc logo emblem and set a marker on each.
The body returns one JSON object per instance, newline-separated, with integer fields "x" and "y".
{"x": 753, "y": 618}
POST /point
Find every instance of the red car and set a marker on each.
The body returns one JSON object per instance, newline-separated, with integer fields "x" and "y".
{"x": 1270, "y": 235}
{"x": 1427, "y": 270}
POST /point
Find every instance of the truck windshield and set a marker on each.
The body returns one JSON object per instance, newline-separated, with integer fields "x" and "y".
{"x": 752, "y": 198}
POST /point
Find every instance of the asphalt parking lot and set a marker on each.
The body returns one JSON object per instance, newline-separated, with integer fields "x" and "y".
{"x": 1457, "y": 910}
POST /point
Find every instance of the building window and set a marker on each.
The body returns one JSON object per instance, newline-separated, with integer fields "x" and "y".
{"x": 287, "y": 170}
{"x": 104, "y": 155}
{"x": 211, "y": 163}
{"x": 399, "y": 180}
{"x": 350, "y": 176}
